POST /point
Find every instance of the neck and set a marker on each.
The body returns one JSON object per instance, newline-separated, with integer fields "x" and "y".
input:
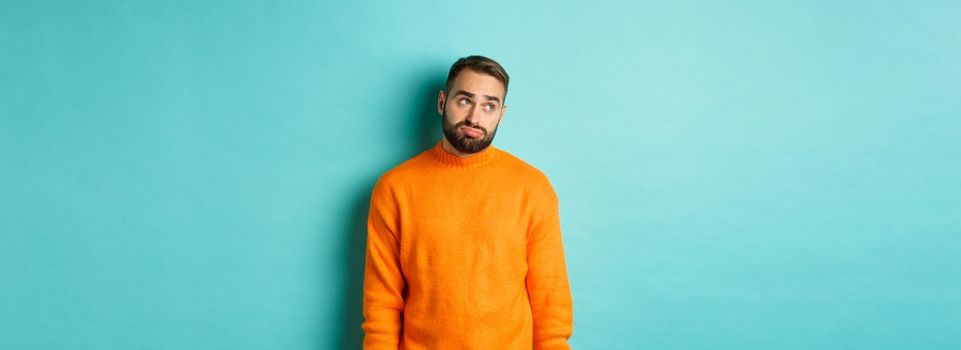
{"x": 450, "y": 149}
{"x": 447, "y": 155}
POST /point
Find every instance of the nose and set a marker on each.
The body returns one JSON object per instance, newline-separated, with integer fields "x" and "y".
{"x": 471, "y": 118}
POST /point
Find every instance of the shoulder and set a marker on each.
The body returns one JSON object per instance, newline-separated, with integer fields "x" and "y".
{"x": 527, "y": 174}
{"x": 401, "y": 173}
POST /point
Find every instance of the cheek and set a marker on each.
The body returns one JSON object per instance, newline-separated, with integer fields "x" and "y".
{"x": 456, "y": 112}
{"x": 492, "y": 124}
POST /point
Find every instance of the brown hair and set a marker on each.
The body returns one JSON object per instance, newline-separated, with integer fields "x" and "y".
{"x": 479, "y": 64}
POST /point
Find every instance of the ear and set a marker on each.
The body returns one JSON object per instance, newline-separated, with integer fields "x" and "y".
{"x": 440, "y": 102}
{"x": 503, "y": 111}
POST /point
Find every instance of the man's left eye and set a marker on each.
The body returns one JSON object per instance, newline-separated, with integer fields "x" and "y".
{"x": 489, "y": 107}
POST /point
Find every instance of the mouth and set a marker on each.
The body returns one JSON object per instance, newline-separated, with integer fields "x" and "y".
{"x": 472, "y": 132}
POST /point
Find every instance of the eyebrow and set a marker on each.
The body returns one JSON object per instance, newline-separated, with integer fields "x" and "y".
{"x": 471, "y": 95}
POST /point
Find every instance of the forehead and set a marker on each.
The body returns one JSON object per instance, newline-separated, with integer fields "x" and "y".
{"x": 478, "y": 83}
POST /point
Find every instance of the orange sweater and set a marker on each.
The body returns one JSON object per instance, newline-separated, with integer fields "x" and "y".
{"x": 465, "y": 253}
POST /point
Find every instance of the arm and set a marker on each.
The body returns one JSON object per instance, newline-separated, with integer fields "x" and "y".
{"x": 547, "y": 283}
{"x": 383, "y": 279}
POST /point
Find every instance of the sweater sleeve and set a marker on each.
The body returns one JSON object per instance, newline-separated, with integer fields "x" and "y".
{"x": 384, "y": 281}
{"x": 547, "y": 283}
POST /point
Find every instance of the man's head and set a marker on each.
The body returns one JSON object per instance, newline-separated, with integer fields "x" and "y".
{"x": 472, "y": 103}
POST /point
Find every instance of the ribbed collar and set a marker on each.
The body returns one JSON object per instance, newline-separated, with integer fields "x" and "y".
{"x": 478, "y": 159}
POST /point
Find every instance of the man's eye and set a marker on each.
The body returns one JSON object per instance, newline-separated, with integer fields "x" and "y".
{"x": 465, "y": 102}
{"x": 489, "y": 107}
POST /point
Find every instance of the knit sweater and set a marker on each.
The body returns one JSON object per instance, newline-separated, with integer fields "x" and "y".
{"x": 465, "y": 253}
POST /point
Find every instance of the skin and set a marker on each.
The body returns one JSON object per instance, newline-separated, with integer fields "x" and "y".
{"x": 476, "y": 99}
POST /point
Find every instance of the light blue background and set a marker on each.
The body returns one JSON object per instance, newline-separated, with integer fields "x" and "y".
{"x": 746, "y": 175}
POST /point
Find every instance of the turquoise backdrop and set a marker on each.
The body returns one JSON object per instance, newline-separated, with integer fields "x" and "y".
{"x": 732, "y": 175}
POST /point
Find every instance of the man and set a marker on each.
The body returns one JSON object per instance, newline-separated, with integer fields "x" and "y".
{"x": 464, "y": 246}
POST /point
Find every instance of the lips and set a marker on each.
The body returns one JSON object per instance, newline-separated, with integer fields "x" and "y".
{"x": 472, "y": 132}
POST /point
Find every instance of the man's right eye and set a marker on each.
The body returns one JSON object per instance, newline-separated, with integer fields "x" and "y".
{"x": 465, "y": 101}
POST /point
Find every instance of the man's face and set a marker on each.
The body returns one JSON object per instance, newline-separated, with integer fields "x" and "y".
{"x": 472, "y": 111}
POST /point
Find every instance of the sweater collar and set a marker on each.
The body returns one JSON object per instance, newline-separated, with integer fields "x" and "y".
{"x": 477, "y": 159}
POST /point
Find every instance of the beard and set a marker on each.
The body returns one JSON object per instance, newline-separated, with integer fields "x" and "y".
{"x": 464, "y": 143}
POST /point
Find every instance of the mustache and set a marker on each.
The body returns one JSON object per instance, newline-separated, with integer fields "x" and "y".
{"x": 463, "y": 123}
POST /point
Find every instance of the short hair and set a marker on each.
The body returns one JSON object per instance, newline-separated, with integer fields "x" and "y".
{"x": 479, "y": 64}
